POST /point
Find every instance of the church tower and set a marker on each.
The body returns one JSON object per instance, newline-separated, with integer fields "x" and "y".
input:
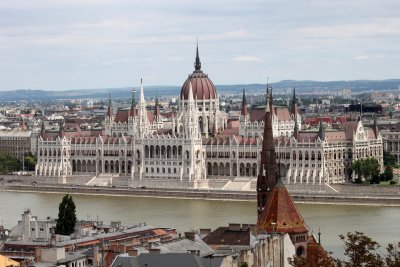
{"x": 267, "y": 177}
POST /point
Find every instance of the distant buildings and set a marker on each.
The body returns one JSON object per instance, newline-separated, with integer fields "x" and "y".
{"x": 17, "y": 143}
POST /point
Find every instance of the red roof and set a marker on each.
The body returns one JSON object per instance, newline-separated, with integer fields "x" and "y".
{"x": 327, "y": 120}
{"x": 202, "y": 87}
{"x": 229, "y": 132}
{"x": 122, "y": 115}
{"x": 281, "y": 210}
{"x": 282, "y": 113}
{"x": 258, "y": 113}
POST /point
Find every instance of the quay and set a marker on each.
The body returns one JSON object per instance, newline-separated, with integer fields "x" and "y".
{"x": 346, "y": 197}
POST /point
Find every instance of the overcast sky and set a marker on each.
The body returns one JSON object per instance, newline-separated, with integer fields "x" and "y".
{"x": 73, "y": 44}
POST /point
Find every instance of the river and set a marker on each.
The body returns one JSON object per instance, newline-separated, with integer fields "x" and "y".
{"x": 380, "y": 223}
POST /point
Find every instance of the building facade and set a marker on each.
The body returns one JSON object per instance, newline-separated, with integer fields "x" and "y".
{"x": 194, "y": 145}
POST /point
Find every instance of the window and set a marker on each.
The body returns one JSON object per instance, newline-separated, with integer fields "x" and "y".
{"x": 41, "y": 229}
{"x": 33, "y": 229}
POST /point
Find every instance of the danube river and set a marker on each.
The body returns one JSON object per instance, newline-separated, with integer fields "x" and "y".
{"x": 380, "y": 223}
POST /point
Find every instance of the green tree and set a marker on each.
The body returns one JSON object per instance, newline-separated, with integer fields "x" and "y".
{"x": 360, "y": 250}
{"x": 369, "y": 168}
{"x": 388, "y": 174}
{"x": 66, "y": 216}
{"x": 389, "y": 159}
{"x": 392, "y": 258}
{"x": 356, "y": 167}
{"x": 30, "y": 163}
{"x": 9, "y": 164}
{"x": 244, "y": 264}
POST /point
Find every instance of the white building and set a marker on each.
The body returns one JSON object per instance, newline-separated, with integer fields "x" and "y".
{"x": 192, "y": 146}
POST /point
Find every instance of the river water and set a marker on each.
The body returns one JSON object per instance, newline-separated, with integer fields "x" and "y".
{"x": 380, "y": 223}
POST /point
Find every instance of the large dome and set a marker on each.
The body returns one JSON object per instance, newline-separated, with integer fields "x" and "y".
{"x": 202, "y": 86}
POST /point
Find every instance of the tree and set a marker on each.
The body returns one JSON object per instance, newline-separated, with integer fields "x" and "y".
{"x": 66, "y": 216}
{"x": 9, "y": 164}
{"x": 389, "y": 159}
{"x": 368, "y": 169}
{"x": 360, "y": 250}
{"x": 392, "y": 258}
{"x": 388, "y": 174}
{"x": 356, "y": 167}
{"x": 30, "y": 163}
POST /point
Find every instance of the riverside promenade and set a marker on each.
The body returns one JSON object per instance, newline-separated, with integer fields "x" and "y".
{"x": 343, "y": 194}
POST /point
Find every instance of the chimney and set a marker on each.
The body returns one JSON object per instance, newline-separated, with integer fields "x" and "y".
{"x": 252, "y": 228}
{"x": 195, "y": 252}
{"x": 190, "y": 235}
{"x": 154, "y": 251}
{"x": 205, "y": 231}
{"x": 38, "y": 254}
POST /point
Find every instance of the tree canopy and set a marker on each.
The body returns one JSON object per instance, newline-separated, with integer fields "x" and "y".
{"x": 368, "y": 168}
{"x": 66, "y": 216}
{"x": 360, "y": 250}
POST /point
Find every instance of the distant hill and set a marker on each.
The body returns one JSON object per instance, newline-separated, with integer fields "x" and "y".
{"x": 151, "y": 91}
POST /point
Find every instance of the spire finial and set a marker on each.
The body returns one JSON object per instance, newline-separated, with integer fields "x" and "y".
{"x": 197, "y": 63}
{"x": 319, "y": 235}
{"x": 141, "y": 91}
{"x": 294, "y": 92}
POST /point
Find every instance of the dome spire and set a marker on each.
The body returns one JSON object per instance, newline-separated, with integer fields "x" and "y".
{"x": 197, "y": 63}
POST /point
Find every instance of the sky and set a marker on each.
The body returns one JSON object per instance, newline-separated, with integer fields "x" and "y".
{"x": 77, "y": 44}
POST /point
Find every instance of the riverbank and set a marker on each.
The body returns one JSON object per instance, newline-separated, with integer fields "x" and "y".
{"x": 221, "y": 195}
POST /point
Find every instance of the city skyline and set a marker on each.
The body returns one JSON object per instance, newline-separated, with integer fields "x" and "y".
{"x": 101, "y": 44}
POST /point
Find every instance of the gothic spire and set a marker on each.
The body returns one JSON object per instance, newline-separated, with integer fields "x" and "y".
{"x": 244, "y": 104}
{"x": 133, "y": 104}
{"x": 156, "y": 108}
{"x": 293, "y": 109}
{"x": 141, "y": 100}
{"x": 321, "y": 131}
{"x": 267, "y": 177}
{"x": 197, "y": 63}
{"x": 375, "y": 127}
{"x": 296, "y": 129}
{"x": 109, "y": 110}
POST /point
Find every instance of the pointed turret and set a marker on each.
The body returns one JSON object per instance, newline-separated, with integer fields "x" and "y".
{"x": 61, "y": 130}
{"x": 244, "y": 112}
{"x": 143, "y": 121}
{"x": 191, "y": 123}
{"x": 197, "y": 63}
{"x": 375, "y": 127}
{"x": 109, "y": 109}
{"x": 133, "y": 112}
{"x": 296, "y": 130}
{"x": 43, "y": 129}
{"x": 156, "y": 108}
{"x": 141, "y": 97}
{"x": 266, "y": 179}
{"x": 321, "y": 131}
{"x": 294, "y": 109}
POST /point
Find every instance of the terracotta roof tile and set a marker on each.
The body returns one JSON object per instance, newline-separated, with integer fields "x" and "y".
{"x": 281, "y": 210}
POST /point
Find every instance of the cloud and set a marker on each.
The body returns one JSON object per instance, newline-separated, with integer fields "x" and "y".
{"x": 361, "y": 57}
{"x": 251, "y": 59}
